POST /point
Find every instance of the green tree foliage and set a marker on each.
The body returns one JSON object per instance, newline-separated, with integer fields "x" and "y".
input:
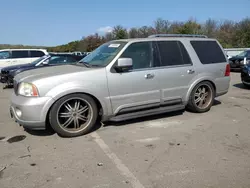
{"x": 229, "y": 33}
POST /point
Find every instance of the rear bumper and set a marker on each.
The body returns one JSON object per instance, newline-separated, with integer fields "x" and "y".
{"x": 222, "y": 85}
{"x": 30, "y": 112}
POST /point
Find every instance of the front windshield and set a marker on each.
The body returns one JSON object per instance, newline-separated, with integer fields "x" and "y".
{"x": 242, "y": 54}
{"x": 104, "y": 54}
{"x": 39, "y": 59}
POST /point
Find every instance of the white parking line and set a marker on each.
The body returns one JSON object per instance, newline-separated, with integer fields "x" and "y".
{"x": 121, "y": 167}
{"x": 148, "y": 139}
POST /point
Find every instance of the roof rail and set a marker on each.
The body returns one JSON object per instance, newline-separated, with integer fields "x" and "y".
{"x": 177, "y": 35}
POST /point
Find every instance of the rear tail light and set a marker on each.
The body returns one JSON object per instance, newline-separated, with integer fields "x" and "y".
{"x": 227, "y": 72}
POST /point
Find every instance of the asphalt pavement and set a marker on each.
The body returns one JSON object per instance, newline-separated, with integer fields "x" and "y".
{"x": 174, "y": 150}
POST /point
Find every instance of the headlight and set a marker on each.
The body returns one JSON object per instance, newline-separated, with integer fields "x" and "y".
{"x": 27, "y": 89}
{"x": 244, "y": 62}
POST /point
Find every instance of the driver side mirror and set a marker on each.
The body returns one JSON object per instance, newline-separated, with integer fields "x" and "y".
{"x": 124, "y": 65}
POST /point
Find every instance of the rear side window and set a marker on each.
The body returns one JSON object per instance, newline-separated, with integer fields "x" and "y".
{"x": 20, "y": 54}
{"x": 173, "y": 53}
{"x": 36, "y": 53}
{"x": 209, "y": 52}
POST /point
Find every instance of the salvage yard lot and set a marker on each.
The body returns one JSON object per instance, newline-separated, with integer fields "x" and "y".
{"x": 173, "y": 150}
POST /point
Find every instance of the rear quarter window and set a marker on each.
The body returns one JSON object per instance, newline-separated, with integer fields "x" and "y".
{"x": 36, "y": 53}
{"x": 209, "y": 52}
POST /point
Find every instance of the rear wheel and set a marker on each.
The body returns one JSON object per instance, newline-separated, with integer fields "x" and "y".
{"x": 73, "y": 115}
{"x": 201, "y": 98}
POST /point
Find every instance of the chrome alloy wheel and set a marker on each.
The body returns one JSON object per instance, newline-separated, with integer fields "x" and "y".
{"x": 203, "y": 96}
{"x": 74, "y": 115}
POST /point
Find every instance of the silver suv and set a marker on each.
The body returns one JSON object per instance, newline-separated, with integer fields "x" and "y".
{"x": 120, "y": 80}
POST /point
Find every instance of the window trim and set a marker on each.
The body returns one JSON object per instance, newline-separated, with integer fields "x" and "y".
{"x": 173, "y": 66}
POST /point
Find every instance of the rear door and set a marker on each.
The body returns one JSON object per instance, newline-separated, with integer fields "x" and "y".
{"x": 19, "y": 57}
{"x": 5, "y": 58}
{"x": 175, "y": 73}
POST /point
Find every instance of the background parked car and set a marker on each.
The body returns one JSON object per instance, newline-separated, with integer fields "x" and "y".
{"x": 237, "y": 62}
{"x": 10, "y": 57}
{"x": 245, "y": 75}
{"x": 8, "y": 73}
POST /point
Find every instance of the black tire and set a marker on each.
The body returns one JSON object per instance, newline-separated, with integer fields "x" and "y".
{"x": 246, "y": 86}
{"x": 61, "y": 104}
{"x": 192, "y": 106}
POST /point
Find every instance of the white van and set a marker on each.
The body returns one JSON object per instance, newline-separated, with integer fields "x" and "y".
{"x": 10, "y": 57}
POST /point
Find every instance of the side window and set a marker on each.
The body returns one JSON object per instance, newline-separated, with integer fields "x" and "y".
{"x": 36, "y": 53}
{"x": 58, "y": 60}
{"x": 141, "y": 54}
{"x": 173, "y": 53}
{"x": 71, "y": 60}
{"x": 4, "y": 55}
{"x": 20, "y": 54}
{"x": 209, "y": 52}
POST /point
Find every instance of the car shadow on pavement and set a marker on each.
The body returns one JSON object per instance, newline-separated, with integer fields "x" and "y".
{"x": 47, "y": 132}
{"x": 240, "y": 86}
{"x": 150, "y": 118}
{"x": 143, "y": 119}
{"x": 216, "y": 102}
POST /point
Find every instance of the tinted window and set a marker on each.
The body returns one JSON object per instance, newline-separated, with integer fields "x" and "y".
{"x": 172, "y": 53}
{"x": 20, "y": 54}
{"x": 208, "y": 52}
{"x": 140, "y": 53}
{"x": 4, "y": 55}
{"x": 58, "y": 60}
{"x": 71, "y": 59}
{"x": 35, "y": 53}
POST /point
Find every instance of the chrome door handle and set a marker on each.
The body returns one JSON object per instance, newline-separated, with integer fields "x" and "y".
{"x": 149, "y": 76}
{"x": 190, "y": 71}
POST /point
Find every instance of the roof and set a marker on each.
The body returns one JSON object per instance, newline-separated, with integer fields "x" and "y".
{"x": 160, "y": 38}
{"x": 21, "y": 49}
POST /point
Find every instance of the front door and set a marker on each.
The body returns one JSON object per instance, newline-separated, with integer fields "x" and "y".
{"x": 137, "y": 89}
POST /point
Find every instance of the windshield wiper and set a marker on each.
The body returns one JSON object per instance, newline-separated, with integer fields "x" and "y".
{"x": 84, "y": 63}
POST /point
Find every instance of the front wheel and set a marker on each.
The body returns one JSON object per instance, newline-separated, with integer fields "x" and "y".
{"x": 246, "y": 85}
{"x": 201, "y": 98}
{"x": 73, "y": 115}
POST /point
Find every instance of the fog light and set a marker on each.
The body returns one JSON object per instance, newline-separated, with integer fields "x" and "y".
{"x": 18, "y": 112}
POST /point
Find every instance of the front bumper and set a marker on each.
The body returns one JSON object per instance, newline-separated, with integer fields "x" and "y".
{"x": 245, "y": 76}
{"x": 30, "y": 112}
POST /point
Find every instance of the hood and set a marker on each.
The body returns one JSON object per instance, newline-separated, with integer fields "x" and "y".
{"x": 15, "y": 67}
{"x": 239, "y": 58}
{"x": 45, "y": 72}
